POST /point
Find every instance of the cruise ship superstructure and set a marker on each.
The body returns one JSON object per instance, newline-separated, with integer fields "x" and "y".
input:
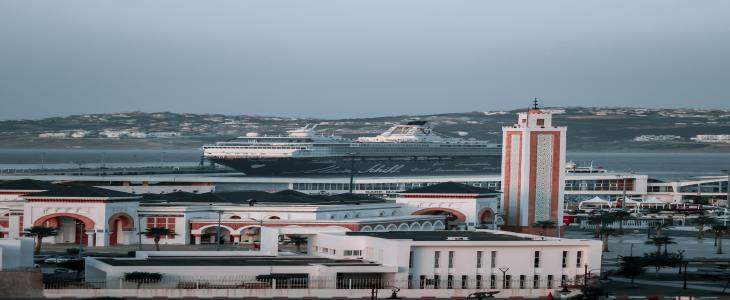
{"x": 411, "y": 148}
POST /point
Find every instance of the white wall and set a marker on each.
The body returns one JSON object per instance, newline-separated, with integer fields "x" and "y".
{"x": 16, "y": 253}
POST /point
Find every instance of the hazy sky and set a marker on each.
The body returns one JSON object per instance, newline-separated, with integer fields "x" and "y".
{"x": 340, "y": 58}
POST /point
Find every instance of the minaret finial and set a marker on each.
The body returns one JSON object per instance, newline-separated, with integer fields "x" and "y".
{"x": 534, "y": 104}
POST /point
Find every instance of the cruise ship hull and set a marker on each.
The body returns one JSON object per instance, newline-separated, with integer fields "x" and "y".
{"x": 371, "y": 166}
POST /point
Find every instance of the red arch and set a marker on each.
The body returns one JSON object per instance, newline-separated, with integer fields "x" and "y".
{"x": 486, "y": 212}
{"x": 127, "y": 220}
{"x": 436, "y": 210}
{"x": 88, "y": 223}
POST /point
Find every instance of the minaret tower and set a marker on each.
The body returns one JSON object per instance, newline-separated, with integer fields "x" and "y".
{"x": 533, "y": 160}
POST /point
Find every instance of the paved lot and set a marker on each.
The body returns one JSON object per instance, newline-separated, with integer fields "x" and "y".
{"x": 624, "y": 245}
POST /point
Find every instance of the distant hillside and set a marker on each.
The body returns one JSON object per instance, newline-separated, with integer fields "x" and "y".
{"x": 589, "y": 128}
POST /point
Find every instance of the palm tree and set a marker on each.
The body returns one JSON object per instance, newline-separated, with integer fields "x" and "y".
{"x": 600, "y": 221}
{"x": 157, "y": 233}
{"x": 658, "y": 242}
{"x": 719, "y": 230}
{"x": 701, "y": 221}
{"x": 605, "y": 233}
{"x": 659, "y": 260}
{"x": 39, "y": 232}
{"x": 297, "y": 240}
{"x": 545, "y": 224}
{"x": 631, "y": 266}
{"x": 660, "y": 227}
{"x": 620, "y": 216}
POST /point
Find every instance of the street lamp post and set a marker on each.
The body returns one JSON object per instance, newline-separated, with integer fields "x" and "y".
{"x": 261, "y": 226}
{"x": 139, "y": 232}
{"x": 727, "y": 196}
{"x": 218, "y": 233}
{"x": 504, "y": 276}
{"x": 351, "y": 155}
{"x": 81, "y": 238}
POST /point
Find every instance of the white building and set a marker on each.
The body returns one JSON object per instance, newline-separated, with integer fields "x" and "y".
{"x": 344, "y": 263}
{"x": 466, "y": 207}
{"x": 101, "y": 217}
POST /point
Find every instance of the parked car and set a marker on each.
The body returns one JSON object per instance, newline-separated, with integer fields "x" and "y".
{"x": 56, "y": 259}
{"x": 40, "y": 258}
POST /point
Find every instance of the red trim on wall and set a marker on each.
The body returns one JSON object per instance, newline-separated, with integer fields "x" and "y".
{"x": 459, "y": 216}
{"x": 506, "y": 184}
{"x": 555, "y": 179}
{"x": 440, "y": 196}
{"x": 88, "y": 223}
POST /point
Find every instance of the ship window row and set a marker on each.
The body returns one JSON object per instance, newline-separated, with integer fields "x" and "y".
{"x": 262, "y": 147}
{"x": 496, "y": 185}
{"x": 417, "y": 145}
{"x": 707, "y": 187}
{"x": 274, "y": 140}
{"x": 659, "y": 189}
{"x": 599, "y": 185}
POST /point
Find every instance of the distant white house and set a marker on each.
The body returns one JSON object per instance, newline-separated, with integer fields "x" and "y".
{"x": 52, "y": 135}
{"x": 137, "y": 135}
{"x": 79, "y": 134}
{"x": 653, "y": 138}
{"x": 163, "y": 134}
{"x": 712, "y": 138}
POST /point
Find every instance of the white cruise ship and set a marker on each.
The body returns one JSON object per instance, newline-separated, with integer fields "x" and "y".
{"x": 404, "y": 149}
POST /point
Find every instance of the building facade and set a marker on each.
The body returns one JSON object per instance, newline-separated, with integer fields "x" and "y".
{"x": 533, "y": 160}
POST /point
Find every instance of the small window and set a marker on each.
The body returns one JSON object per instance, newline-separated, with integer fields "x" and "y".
{"x": 450, "y": 281}
{"x": 579, "y": 259}
{"x": 436, "y": 258}
{"x": 493, "y": 281}
{"x": 565, "y": 259}
{"x": 550, "y": 281}
{"x": 537, "y": 259}
{"x": 507, "y": 282}
{"x": 536, "y": 281}
{"x": 479, "y": 259}
{"x": 523, "y": 278}
{"x": 479, "y": 281}
{"x": 451, "y": 259}
{"x": 494, "y": 259}
{"x": 464, "y": 282}
{"x": 540, "y": 122}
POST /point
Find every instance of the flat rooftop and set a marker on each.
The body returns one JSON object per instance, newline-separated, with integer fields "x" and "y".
{"x": 441, "y": 235}
{"x": 231, "y": 261}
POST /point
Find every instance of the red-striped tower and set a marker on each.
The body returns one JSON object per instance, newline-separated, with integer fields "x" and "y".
{"x": 533, "y": 160}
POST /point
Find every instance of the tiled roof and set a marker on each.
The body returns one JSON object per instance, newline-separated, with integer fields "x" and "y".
{"x": 26, "y": 185}
{"x": 82, "y": 191}
{"x": 440, "y": 235}
{"x": 451, "y": 188}
{"x": 283, "y": 197}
